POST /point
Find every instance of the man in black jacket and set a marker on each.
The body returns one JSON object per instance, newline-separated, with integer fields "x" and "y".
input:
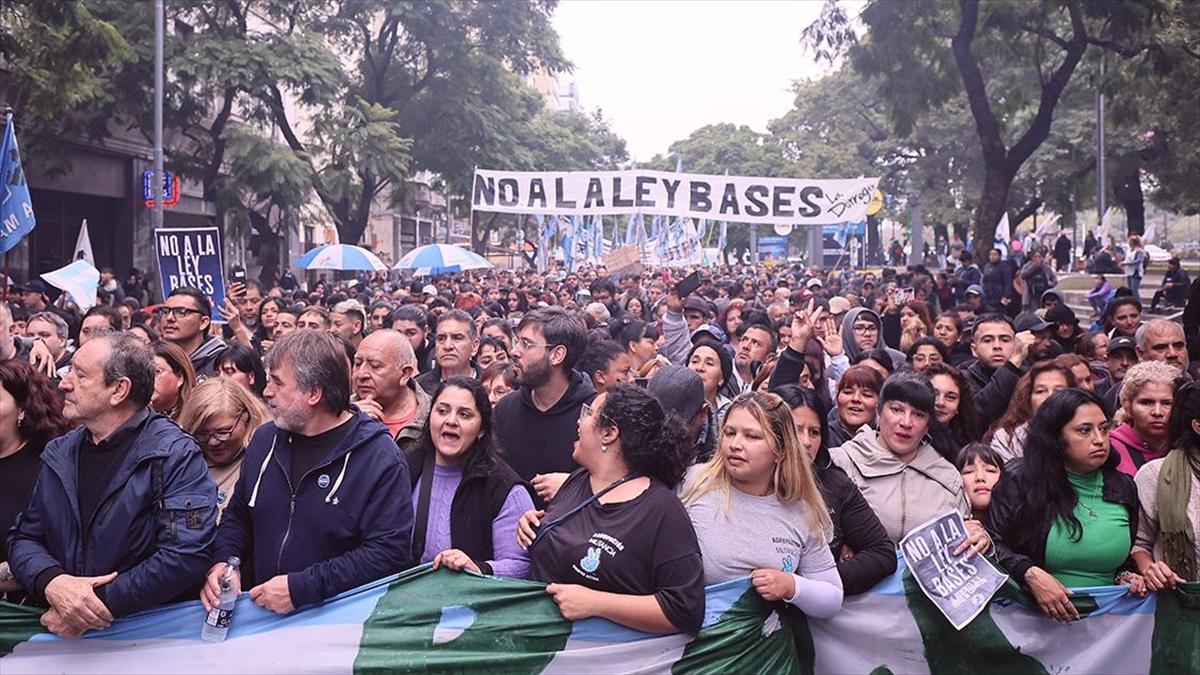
{"x": 537, "y": 425}
{"x": 1000, "y": 354}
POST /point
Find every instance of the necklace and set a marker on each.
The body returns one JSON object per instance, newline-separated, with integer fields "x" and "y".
{"x": 1091, "y": 512}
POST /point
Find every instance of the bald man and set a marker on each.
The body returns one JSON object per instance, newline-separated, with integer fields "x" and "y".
{"x": 385, "y": 386}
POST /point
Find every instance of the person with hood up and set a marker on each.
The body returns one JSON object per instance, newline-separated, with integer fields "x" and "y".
{"x": 861, "y": 332}
{"x": 324, "y": 502}
{"x": 185, "y": 318}
{"x": 901, "y": 475}
{"x": 536, "y": 426}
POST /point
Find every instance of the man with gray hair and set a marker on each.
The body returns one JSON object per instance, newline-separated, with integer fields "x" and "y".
{"x": 385, "y": 386}
{"x": 1156, "y": 340}
{"x": 52, "y": 330}
{"x": 324, "y": 502}
{"x": 124, "y": 513}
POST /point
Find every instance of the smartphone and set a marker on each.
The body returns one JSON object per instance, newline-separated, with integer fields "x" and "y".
{"x": 238, "y": 274}
{"x": 904, "y": 295}
{"x": 689, "y": 285}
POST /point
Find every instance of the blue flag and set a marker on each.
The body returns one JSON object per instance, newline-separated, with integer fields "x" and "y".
{"x": 721, "y": 239}
{"x": 702, "y": 230}
{"x": 16, "y": 208}
{"x": 631, "y": 231}
{"x": 597, "y": 236}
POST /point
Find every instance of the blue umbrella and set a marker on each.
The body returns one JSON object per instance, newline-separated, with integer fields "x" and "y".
{"x": 341, "y": 257}
{"x": 435, "y": 259}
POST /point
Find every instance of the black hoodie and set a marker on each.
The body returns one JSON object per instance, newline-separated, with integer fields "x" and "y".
{"x": 536, "y": 442}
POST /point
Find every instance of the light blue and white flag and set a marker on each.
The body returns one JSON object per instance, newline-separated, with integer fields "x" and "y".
{"x": 80, "y": 280}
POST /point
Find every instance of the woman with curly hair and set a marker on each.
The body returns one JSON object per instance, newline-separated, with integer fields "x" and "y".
{"x": 1007, "y": 435}
{"x": 616, "y": 542}
{"x": 955, "y": 410}
{"x": 30, "y": 415}
{"x": 1146, "y": 398}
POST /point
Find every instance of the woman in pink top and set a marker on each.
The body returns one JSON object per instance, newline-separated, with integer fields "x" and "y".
{"x": 1147, "y": 395}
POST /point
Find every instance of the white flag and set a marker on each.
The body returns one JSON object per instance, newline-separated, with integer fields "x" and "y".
{"x": 83, "y": 245}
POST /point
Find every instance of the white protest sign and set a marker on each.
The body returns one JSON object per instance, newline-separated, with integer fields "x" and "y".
{"x": 960, "y": 588}
{"x": 802, "y": 201}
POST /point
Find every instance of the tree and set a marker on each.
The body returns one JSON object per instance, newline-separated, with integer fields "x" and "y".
{"x": 59, "y": 59}
{"x": 432, "y": 85}
{"x": 962, "y": 45}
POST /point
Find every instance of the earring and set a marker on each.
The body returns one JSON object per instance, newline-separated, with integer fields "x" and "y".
{"x": 20, "y": 420}
{"x": 603, "y": 448}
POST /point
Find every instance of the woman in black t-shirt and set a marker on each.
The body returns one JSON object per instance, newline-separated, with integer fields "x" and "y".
{"x": 616, "y": 542}
{"x": 30, "y": 415}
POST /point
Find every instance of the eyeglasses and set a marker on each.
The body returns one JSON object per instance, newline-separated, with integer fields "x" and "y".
{"x": 866, "y": 328}
{"x": 586, "y": 410}
{"x": 177, "y": 312}
{"x": 221, "y": 435}
{"x": 526, "y": 343}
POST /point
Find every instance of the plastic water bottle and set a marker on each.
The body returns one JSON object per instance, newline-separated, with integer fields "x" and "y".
{"x": 216, "y": 624}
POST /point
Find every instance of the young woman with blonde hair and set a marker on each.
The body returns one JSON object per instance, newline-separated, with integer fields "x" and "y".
{"x": 757, "y": 510}
{"x": 222, "y": 414}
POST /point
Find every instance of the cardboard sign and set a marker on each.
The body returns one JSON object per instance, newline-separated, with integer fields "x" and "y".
{"x": 191, "y": 256}
{"x": 623, "y": 259}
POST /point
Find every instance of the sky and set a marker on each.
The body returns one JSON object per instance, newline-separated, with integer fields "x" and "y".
{"x": 659, "y": 69}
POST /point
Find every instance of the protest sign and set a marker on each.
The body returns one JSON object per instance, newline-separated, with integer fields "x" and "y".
{"x": 191, "y": 256}
{"x": 623, "y": 259}
{"x": 960, "y": 588}
{"x": 802, "y": 201}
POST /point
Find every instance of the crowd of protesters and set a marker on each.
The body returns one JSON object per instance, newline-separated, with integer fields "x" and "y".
{"x": 620, "y": 440}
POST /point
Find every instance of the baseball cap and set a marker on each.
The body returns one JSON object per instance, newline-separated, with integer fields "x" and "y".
{"x": 838, "y": 305}
{"x": 1122, "y": 342}
{"x": 712, "y": 331}
{"x": 813, "y": 283}
{"x": 1032, "y": 322}
{"x": 679, "y": 389}
{"x": 975, "y": 289}
{"x": 430, "y": 289}
{"x": 34, "y": 286}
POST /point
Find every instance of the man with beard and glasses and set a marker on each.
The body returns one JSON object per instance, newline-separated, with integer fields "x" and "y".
{"x": 537, "y": 425}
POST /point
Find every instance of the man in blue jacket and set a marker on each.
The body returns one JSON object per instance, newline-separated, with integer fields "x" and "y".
{"x": 324, "y": 502}
{"x": 124, "y": 513}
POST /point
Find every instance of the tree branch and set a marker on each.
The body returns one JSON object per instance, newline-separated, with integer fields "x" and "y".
{"x": 1039, "y": 128}
{"x": 994, "y": 152}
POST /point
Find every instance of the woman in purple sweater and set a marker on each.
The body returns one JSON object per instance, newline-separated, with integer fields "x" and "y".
{"x": 466, "y": 499}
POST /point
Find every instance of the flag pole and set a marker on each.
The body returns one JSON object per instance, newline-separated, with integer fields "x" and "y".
{"x": 4, "y": 282}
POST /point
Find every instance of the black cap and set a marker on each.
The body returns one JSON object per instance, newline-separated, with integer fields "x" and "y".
{"x": 1121, "y": 342}
{"x": 700, "y": 304}
{"x": 1032, "y": 322}
{"x": 34, "y": 286}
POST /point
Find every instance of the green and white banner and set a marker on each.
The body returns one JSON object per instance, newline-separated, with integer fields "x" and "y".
{"x": 423, "y": 621}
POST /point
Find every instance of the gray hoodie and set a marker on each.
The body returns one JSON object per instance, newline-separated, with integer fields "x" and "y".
{"x": 902, "y": 495}
{"x": 851, "y": 344}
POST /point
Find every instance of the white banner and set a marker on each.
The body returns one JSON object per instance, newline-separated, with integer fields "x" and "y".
{"x": 801, "y": 201}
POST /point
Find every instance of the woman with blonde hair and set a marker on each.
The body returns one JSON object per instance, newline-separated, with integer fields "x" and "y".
{"x": 757, "y": 510}
{"x": 222, "y": 414}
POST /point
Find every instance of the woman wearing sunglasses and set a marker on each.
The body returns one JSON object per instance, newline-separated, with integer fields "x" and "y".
{"x": 616, "y": 542}
{"x": 222, "y": 415}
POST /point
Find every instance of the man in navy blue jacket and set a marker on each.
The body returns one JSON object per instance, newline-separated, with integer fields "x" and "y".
{"x": 324, "y": 502}
{"x": 124, "y": 513}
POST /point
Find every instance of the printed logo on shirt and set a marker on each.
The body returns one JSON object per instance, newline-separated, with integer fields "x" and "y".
{"x": 599, "y": 544}
{"x": 221, "y": 496}
{"x": 323, "y": 481}
{"x": 789, "y": 564}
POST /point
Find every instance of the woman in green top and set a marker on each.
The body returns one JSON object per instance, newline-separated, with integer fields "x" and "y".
{"x": 1062, "y": 516}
